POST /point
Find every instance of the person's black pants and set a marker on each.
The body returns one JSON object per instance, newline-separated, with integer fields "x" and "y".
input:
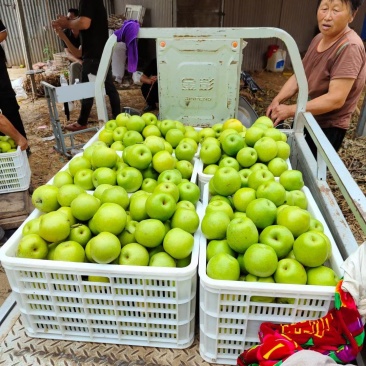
{"x": 90, "y": 66}
{"x": 335, "y": 136}
{"x": 150, "y": 93}
{"x": 8, "y": 103}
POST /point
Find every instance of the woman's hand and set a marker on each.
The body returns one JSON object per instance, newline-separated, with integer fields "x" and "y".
{"x": 271, "y": 107}
{"x": 280, "y": 112}
{"x": 150, "y": 80}
{"x": 153, "y": 79}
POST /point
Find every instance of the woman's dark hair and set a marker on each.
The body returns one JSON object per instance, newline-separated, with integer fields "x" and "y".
{"x": 75, "y": 11}
{"x": 355, "y": 4}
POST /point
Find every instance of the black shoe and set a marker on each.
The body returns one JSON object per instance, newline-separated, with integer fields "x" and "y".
{"x": 149, "y": 108}
{"x": 75, "y": 127}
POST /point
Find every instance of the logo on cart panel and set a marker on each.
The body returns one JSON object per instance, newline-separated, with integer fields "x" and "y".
{"x": 201, "y": 84}
{"x": 198, "y": 84}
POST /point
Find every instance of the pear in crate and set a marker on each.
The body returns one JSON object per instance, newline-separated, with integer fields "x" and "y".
{"x": 45, "y": 198}
{"x": 223, "y": 266}
{"x": 32, "y": 246}
{"x": 54, "y": 226}
{"x": 69, "y": 251}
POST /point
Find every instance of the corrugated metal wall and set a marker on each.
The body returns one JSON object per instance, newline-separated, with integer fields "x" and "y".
{"x": 295, "y": 17}
{"x": 38, "y": 16}
{"x": 247, "y": 14}
{"x": 207, "y": 13}
{"x": 12, "y": 44}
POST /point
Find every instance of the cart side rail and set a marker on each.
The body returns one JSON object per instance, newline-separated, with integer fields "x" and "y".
{"x": 315, "y": 173}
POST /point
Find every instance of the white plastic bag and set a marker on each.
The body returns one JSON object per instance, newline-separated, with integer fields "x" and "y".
{"x": 136, "y": 76}
{"x": 119, "y": 61}
{"x": 17, "y": 86}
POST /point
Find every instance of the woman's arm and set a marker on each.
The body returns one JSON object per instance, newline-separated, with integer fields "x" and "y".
{"x": 288, "y": 90}
{"x": 335, "y": 98}
{"x": 8, "y": 129}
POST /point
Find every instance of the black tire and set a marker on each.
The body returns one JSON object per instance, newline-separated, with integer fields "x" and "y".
{"x": 246, "y": 114}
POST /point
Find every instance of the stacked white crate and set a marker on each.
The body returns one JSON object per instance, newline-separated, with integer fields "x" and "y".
{"x": 15, "y": 172}
{"x": 145, "y": 306}
{"x": 230, "y": 320}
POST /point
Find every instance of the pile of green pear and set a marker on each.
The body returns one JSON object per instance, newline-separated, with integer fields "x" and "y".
{"x": 232, "y": 144}
{"x": 7, "y": 145}
{"x": 137, "y": 207}
{"x": 257, "y": 222}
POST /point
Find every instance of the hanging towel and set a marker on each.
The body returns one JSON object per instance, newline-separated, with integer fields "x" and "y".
{"x": 128, "y": 34}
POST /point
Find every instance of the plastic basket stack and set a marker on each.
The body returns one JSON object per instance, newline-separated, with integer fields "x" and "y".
{"x": 15, "y": 172}
{"x": 141, "y": 306}
{"x": 156, "y": 307}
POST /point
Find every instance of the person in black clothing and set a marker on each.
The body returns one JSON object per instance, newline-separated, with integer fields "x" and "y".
{"x": 71, "y": 42}
{"x": 149, "y": 87}
{"x": 8, "y": 102}
{"x": 70, "y": 39}
{"x": 93, "y": 26}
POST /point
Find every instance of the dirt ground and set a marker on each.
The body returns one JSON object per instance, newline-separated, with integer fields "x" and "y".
{"x": 45, "y": 161}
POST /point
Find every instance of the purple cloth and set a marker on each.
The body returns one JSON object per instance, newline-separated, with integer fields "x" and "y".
{"x": 128, "y": 34}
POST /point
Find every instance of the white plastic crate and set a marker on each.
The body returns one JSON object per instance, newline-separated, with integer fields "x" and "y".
{"x": 202, "y": 178}
{"x": 142, "y": 306}
{"x": 230, "y": 320}
{"x": 15, "y": 172}
{"x": 93, "y": 139}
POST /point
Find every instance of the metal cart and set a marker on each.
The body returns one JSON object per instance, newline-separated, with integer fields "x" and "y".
{"x": 65, "y": 94}
{"x": 191, "y": 86}
{"x": 182, "y": 96}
